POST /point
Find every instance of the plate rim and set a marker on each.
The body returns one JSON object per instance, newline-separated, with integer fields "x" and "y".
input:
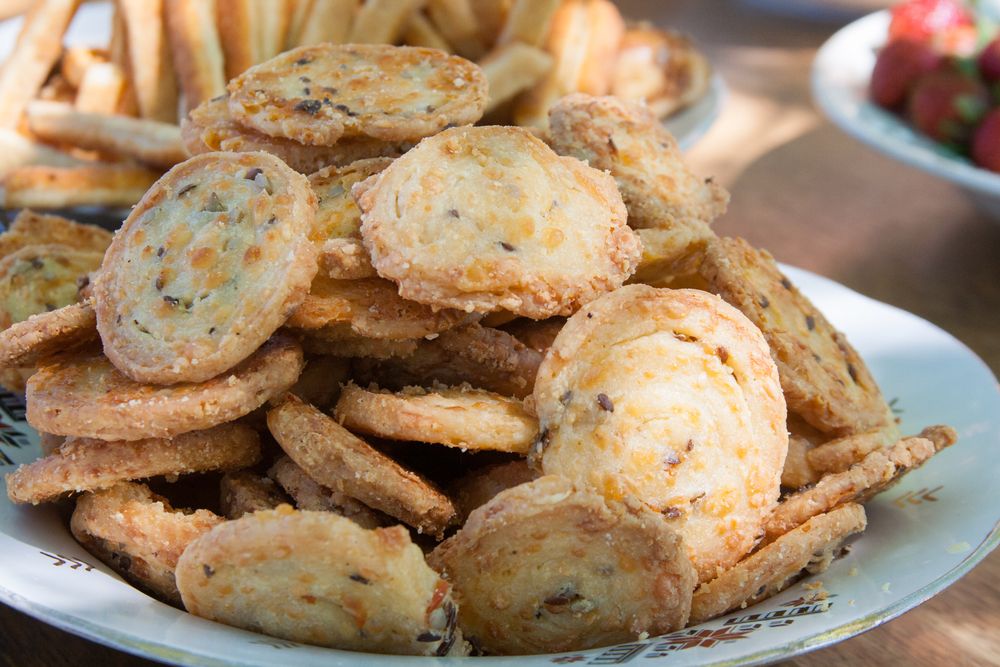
{"x": 839, "y": 106}
{"x": 145, "y": 648}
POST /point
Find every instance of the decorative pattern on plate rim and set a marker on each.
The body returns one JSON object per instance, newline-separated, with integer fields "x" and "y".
{"x": 732, "y": 629}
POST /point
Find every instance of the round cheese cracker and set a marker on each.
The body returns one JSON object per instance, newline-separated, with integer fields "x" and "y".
{"x": 373, "y": 309}
{"x": 334, "y": 457}
{"x": 633, "y": 145}
{"x": 456, "y": 417}
{"x": 83, "y": 464}
{"x": 206, "y": 267}
{"x": 488, "y": 218}
{"x": 88, "y": 397}
{"x": 31, "y": 228}
{"x": 138, "y": 535}
{"x": 41, "y": 278}
{"x": 669, "y": 396}
{"x": 337, "y": 232}
{"x": 824, "y": 378}
{"x": 318, "y": 578}
{"x": 210, "y": 127}
{"x": 46, "y": 334}
{"x": 310, "y": 495}
{"x": 878, "y": 471}
{"x": 810, "y": 547}
{"x": 337, "y": 216}
{"x": 547, "y": 567}
{"x": 318, "y": 94}
{"x": 482, "y": 357}
{"x": 334, "y": 341}
{"x": 477, "y": 487}
{"x": 244, "y": 491}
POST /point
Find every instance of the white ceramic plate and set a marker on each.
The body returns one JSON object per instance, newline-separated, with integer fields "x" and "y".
{"x": 922, "y": 534}
{"x": 840, "y": 77}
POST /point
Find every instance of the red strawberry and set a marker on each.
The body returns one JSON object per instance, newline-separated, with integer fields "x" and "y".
{"x": 946, "y": 105}
{"x": 986, "y": 142}
{"x": 989, "y": 61}
{"x": 921, "y": 20}
{"x": 898, "y": 66}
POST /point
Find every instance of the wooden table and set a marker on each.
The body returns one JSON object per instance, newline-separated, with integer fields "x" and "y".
{"x": 819, "y": 200}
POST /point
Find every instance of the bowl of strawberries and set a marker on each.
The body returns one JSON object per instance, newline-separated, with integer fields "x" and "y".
{"x": 921, "y": 83}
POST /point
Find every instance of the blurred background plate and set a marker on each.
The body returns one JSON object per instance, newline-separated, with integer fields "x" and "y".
{"x": 840, "y": 77}
{"x": 690, "y": 124}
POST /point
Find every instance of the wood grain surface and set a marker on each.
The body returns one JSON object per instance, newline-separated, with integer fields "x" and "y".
{"x": 819, "y": 200}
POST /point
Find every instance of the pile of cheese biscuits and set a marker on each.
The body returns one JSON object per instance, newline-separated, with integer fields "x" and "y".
{"x": 499, "y": 394}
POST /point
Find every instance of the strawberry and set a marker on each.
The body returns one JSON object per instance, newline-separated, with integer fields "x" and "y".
{"x": 946, "y": 24}
{"x": 897, "y": 67}
{"x": 986, "y": 142}
{"x": 947, "y": 104}
{"x": 989, "y": 61}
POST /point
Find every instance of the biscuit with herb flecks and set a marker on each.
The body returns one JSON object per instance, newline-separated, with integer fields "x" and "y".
{"x": 318, "y": 94}
{"x": 670, "y": 397}
{"x": 87, "y": 397}
{"x": 490, "y": 218}
{"x": 206, "y": 267}
{"x": 824, "y": 379}
{"x": 550, "y": 566}
{"x": 319, "y": 578}
{"x": 139, "y": 535}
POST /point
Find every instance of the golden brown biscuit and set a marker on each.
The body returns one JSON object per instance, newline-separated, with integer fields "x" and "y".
{"x": 337, "y": 233}
{"x": 372, "y": 308}
{"x": 546, "y": 567}
{"x": 483, "y": 357}
{"x": 309, "y": 495}
{"x": 210, "y": 127}
{"x": 839, "y": 454}
{"x": 320, "y": 381}
{"x": 31, "y": 228}
{"x": 84, "y": 464}
{"x": 477, "y": 487}
{"x": 824, "y": 379}
{"x": 669, "y": 255}
{"x": 243, "y": 492}
{"x": 58, "y": 331}
{"x": 669, "y": 396}
{"x": 49, "y": 443}
{"x": 630, "y": 142}
{"x": 809, "y": 547}
{"x": 318, "y": 94}
{"x": 488, "y": 218}
{"x": 874, "y": 474}
{"x": 88, "y": 397}
{"x": 319, "y": 578}
{"x": 206, "y": 267}
{"x": 335, "y": 458}
{"x": 138, "y": 535}
{"x": 15, "y": 380}
{"x": 337, "y": 216}
{"x": 453, "y": 416}
{"x": 538, "y": 335}
{"x": 41, "y": 278}
{"x": 337, "y": 342}
{"x": 798, "y": 472}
